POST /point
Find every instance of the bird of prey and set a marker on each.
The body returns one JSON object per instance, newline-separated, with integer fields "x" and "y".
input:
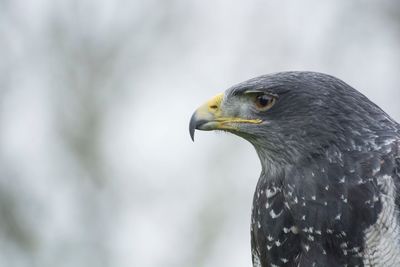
{"x": 328, "y": 193}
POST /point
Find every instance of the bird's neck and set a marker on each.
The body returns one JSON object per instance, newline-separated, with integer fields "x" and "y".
{"x": 271, "y": 166}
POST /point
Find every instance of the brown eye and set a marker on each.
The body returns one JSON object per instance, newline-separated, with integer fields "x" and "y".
{"x": 264, "y": 102}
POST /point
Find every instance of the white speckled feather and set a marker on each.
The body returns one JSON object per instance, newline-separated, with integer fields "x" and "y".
{"x": 381, "y": 239}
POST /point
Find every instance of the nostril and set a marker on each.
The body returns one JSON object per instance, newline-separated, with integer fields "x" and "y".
{"x": 214, "y": 107}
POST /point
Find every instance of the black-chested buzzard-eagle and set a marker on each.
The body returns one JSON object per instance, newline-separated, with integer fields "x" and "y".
{"x": 328, "y": 193}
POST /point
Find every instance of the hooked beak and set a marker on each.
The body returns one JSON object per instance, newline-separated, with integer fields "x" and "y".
{"x": 210, "y": 117}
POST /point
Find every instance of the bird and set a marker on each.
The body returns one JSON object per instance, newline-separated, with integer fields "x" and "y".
{"x": 328, "y": 192}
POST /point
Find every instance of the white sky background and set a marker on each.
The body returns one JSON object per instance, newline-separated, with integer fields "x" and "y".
{"x": 96, "y": 164}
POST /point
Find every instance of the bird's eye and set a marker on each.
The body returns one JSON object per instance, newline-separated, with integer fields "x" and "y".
{"x": 264, "y": 102}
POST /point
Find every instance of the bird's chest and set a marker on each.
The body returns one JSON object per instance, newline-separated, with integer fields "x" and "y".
{"x": 334, "y": 219}
{"x": 273, "y": 229}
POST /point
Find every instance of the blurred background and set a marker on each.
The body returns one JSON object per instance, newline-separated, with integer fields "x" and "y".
{"x": 96, "y": 164}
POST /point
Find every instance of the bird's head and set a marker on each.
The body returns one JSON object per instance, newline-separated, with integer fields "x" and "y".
{"x": 289, "y": 115}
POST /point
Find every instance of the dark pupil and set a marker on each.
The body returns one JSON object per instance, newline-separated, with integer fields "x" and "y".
{"x": 263, "y": 100}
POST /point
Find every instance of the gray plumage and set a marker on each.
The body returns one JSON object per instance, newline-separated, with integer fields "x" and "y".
{"x": 328, "y": 193}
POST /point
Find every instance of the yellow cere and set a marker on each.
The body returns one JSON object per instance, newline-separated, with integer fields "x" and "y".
{"x": 211, "y": 107}
{"x": 214, "y": 103}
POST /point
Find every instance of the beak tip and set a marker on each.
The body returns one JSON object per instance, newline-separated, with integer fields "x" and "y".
{"x": 192, "y": 126}
{"x": 192, "y": 135}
